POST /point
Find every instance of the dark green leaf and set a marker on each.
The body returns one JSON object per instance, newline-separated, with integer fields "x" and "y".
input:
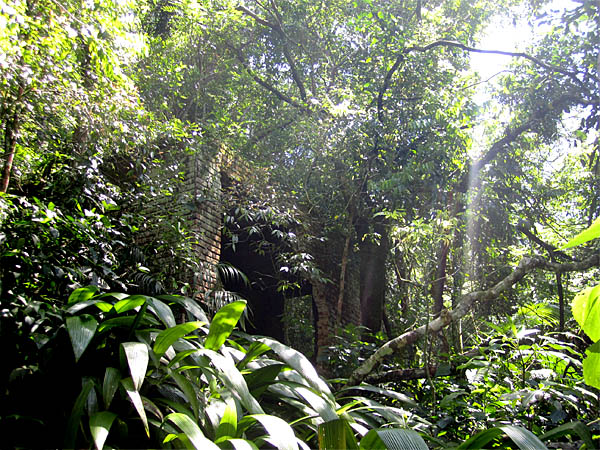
{"x": 81, "y": 331}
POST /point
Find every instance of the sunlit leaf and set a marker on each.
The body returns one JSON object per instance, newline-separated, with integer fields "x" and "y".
{"x": 82, "y": 294}
{"x": 137, "y": 360}
{"x": 228, "y": 424}
{"x": 280, "y": 433}
{"x": 81, "y": 330}
{"x": 162, "y": 311}
{"x": 100, "y": 424}
{"x": 336, "y": 434}
{"x": 591, "y": 365}
{"x": 523, "y": 438}
{"x": 393, "y": 439}
{"x": 129, "y": 303}
{"x": 192, "y": 431}
{"x": 586, "y": 311}
{"x": 298, "y": 361}
{"x": 592, "y": 232}
{"x": 572, "y": 429}
{"x": 167, "y": 337}
{"x": 223, "y": 324}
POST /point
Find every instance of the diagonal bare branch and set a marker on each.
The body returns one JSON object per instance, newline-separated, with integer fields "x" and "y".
{"x": 526, "y": 266}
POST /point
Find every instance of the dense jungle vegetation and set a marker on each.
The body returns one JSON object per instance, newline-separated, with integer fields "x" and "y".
{"x": 432, "y": 233}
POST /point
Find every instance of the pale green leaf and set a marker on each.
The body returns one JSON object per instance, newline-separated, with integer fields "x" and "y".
{"x": 129, "y": 303}
{"x": 223, "y": 324}
{"x": 228, "y": 424}
{"x": 81, "y": 330}
{"x": 82, "y": 294}
{"x": 592, "y": 232}
{"x": 100, "y": 424}
{"x": 591, "y": 365}
{"x": 137, "y": 360}
{"x": 586, "y": 311}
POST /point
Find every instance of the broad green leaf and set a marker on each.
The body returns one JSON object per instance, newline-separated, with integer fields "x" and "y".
{"x": 572, "y": 429}
{"x": 192, "y": 431}
{"x": 254, "y": 351}
{"x": 82, "y": 305}
{"x": 136, "y": 399}
{"x": 137, "y": 360}
{"x": 223, "y": 324}
{"x": 591, "y": 365}
{"x": 190, "y": 394}
{"x": 167, "y": 337}
{"x": 112, "y": 377}
{"x": 129, "y": 303}
{"x": 336, "y": 434}
{"x": 233, "y": 379}
{"x": 280, "y": 433}
{"x": 81, "y": 331}
{"x": 298, "y": 361}
{"x": 586, "y": 311}
{"x": 319, "y": 403}
{"x": 82, "y": 294}
{"x": 523, "y": 438}
{"x": 162, "y": 311}
{"x": 100, "y": 424}
{"x": 191, "y": 306}
{"x": 258, "y": 380}
{"x": 228, "y": 424}
{"x": 241, "y": 444}
{"x": 592, "y": 232}
{"x": 76, "y": 413}
{"x": 393, "y": 439}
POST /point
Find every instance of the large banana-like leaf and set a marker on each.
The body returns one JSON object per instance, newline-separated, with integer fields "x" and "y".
{"x": 137, "y": 360}
{"x": 393, "y": 439}
{"x": 100, "y": 424}
{"x": 192, "y": 431}
{"x": 189, "y": 305}
{"x": 223, "y": 324}
{"x": 233, "y": 379}
{"x": 280, "y": 433}
{"x": 81, "y": 330}
{"x": 336, "y": 434}
{"x": 298, "y": 361}
{"x": 162, "y": 311}
{"x": 524, "y": 439}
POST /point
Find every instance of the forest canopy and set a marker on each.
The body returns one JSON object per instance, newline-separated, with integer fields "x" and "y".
{"x": 409, "y": 250}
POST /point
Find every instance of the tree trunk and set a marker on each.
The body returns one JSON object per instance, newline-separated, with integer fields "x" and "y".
{"x": 437, "y": 288}
{"x": 10, "y": 149}
{"x": 373, "y": 252}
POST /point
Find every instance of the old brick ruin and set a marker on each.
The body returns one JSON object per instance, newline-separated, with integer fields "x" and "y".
{"x": 195, "y": 201}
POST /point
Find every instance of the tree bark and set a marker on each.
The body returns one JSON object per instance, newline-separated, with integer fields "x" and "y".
{"x": 373, "y": 256}
{"x": 10, "y": 147}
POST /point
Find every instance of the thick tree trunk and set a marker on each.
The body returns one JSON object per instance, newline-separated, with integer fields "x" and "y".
{"x": 437, "y": 288}
{"x": 373, "y": 250}
{"x": 10, "y": 147}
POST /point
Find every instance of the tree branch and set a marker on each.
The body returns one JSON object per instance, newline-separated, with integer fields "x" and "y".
{"x": 526, "y": 266}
